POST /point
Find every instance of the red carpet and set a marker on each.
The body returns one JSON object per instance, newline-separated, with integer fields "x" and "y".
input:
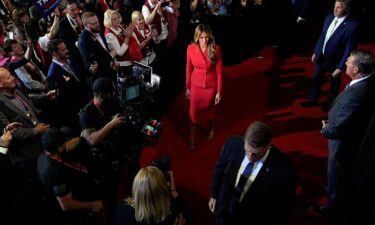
{"x": 258, "y": 89}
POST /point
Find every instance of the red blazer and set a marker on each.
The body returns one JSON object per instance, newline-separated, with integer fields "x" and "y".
{"x": 200, "y": 71}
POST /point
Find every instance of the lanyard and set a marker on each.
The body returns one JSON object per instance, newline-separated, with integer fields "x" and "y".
{"x": 98, "y": 107}
{"x": 76, "y": 166}
{"x": 29, "y": 114}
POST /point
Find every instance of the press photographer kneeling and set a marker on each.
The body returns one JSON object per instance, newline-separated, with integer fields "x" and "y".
{"x": 105, "y": 129}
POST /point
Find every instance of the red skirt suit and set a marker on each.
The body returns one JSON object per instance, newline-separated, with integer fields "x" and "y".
{"x": 204, "y": 80}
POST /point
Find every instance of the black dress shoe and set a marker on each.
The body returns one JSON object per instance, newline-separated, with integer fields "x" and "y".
{"x": 319, "y": 210}
{"x": 309, "y": 104}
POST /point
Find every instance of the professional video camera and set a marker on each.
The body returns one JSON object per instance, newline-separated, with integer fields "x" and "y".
{"x": 163, "y": 164}
{"x": 134, "y": 93}
{"x": 137, "y": 87}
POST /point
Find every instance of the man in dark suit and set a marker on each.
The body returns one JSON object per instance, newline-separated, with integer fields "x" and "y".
{"x": 331, "y": 51}
{"x": 25, "y": 146}
{"x": 70, "y": 28}
{"x": 263, "y": 194}
{"x": 348, "y": 118}
{"x": 94, "y": 49}
{"x": 67, "y": 78}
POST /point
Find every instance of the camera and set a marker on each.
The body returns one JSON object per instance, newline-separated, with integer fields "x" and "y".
{"x": 164, "y": 165}
{"x": 164, "y": 3}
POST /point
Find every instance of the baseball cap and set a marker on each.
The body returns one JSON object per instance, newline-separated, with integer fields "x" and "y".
{"x": 54, "y": 138}
{"x": 102, "y": 85}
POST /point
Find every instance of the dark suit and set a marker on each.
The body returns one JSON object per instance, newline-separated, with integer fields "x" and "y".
{"x": 70, "y": 37}
{"x": 91, "y": 50}
{"x": 348, "y": 118}
{"x": 72, "y": 95}
{"x": 337, "y": 50}
{"x": 269, "y": 198}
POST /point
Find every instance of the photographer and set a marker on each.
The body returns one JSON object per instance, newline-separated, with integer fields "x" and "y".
{"x": 153, "y": 201}
{"x": 70, "y": 186}
{"x": 107, "y": 131}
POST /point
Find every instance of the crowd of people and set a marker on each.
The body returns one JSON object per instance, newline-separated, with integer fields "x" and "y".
{"x": 58, "y": 111}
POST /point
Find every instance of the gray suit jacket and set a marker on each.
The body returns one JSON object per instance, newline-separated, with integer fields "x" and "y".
{"x": 348, "y": 118}
{"x": 26, "y": 142}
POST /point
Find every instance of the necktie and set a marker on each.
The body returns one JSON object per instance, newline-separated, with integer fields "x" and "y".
{"x": 70, "y": 71}
{"x": 243, "y": 179}
{"x": 235, "y": 199}
{"x": 333, "y": 27}
{"x": 330, "y": 31}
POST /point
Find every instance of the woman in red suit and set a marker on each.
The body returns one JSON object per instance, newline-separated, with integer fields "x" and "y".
{"x": 203, "y": 80}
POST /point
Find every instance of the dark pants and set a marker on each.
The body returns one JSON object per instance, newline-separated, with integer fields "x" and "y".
{"x": 317, "y": 81}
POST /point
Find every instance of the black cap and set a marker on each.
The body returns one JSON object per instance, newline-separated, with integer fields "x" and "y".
{"x": 103, "y": 85}
{"x": 54, "y": 138}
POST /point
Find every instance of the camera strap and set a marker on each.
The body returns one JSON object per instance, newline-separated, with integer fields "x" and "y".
{"x": 98, "y": 107}
{"x": 76, "y": 166}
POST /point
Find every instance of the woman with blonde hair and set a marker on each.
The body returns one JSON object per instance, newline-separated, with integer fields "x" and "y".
{"x": 203, "y": 81}
{"x": 121, "y": 40}
{"x": 146, "y": 37}
{"x": 151, "y": 201}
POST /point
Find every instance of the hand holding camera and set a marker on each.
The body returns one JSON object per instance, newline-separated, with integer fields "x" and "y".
{"x": 117, "y": 121}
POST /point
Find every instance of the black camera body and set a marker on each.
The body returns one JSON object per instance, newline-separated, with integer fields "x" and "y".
{"x": 164, "y": 3}
{"x": 163, "y": 164}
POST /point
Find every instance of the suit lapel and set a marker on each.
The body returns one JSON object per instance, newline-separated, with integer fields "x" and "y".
{"x": 236, "y": 167}
{"x": 348, "y": 90}
{"x": 11, "y": 106}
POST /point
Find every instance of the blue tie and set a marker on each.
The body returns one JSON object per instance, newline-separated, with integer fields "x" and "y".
{"x": 235, "y": 199}
{"x": 243, "y": 179}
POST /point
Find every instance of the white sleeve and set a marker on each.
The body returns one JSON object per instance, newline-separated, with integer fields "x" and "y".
{"x": 114, "y": 44}
{"x": 43, "y": 42}
{"x": 3, "y": 150}
{"x": 145, "y": 12}
{"x": 169, "y": 9}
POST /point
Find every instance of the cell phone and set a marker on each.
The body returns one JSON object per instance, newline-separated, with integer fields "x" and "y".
{"x": 164, "y": 4}
{"x": 11, "y": 35}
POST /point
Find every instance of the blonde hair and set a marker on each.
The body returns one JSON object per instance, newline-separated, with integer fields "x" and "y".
{"x": 108, "y": 17}
{"x": 135, "y": 15}
{"x": 211, "y": 45}
{"x": 151, "y": 196}
{"x": 85, "y": 16}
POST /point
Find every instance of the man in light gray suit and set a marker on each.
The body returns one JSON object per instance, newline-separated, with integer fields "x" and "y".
{"x": 348, "y": 117}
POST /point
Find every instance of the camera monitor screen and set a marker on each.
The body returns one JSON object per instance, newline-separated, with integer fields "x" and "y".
{"x": 140, "y": 69}
{"x": 131, "y": 92}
